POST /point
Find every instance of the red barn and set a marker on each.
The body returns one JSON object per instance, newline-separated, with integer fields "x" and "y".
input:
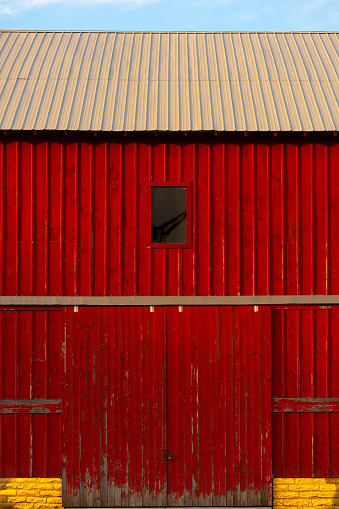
{"x": 169, "y": 277}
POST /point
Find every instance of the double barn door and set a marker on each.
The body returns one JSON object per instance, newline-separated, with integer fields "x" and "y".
{"x": 166, "y": 407}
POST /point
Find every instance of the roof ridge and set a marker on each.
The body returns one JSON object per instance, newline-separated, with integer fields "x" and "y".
{"x": 172, "y": 31}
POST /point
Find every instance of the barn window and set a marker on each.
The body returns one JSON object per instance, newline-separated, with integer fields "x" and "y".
{"x": 170, "y": 215}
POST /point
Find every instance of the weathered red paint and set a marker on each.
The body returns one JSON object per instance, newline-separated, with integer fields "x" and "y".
{"x": 305, "y": 405}
{"x": 30, "y": 381}
{"x": 77, "y": 215}
{"x": 33, "y": 406}
{"x": 76, "y": 221}
{"x": 305, "y": 393}
{"x": 157, "y": 383}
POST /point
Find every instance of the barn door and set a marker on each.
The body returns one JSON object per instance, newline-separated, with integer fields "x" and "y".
{"x": 219, "y": 406}
{"x": 115, "y": 408}
{"x": 167, "y": 407}
{"x": 305, "y": 390}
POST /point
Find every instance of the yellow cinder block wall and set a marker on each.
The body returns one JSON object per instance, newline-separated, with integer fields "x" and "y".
{"x": 307, "y": 492}
{"x": 30, "y": 493}
{"x": 39, "y": 493}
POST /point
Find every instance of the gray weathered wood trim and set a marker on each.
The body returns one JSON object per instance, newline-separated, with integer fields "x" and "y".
{"x": 210, "y": 300}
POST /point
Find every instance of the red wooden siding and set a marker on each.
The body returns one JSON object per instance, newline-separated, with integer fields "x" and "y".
{"x": 30, "y": 369}
{"x": 305, "y": 364}
{"x": 194, "y": 384}
{"x": 76, "y": 216}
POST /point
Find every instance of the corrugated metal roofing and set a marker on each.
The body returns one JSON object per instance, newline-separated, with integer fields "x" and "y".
{"x": 133, "y": 81}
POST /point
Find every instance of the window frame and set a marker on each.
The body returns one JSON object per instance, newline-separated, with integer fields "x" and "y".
{"x": 165, "y": 245}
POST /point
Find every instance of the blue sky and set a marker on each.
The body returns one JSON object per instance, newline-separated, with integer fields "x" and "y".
{"x": 170, "y": 14}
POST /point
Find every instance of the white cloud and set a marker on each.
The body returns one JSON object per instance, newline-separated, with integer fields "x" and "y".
{"x": 12, "y": 7}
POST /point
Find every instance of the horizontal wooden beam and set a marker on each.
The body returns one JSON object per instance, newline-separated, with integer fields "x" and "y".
{"x": 30, "y": 406}
{"x": 305, "y": 405}
{"x": 209, "y": 300}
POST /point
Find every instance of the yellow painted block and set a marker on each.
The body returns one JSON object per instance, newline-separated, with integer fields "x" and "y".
{"x": 36, "y": 500}
{"x": 16, "y": 499}
{"x": 51, "y": 486}
{"x": 306, "y": 486}
{"x": 322, "y": 501}
{"x": 297, "y": 503}
{"x": 310, "y": 480}
{"x": 7, "y": 492}
{"x": 23, "y": 505}
{"x": 329, "y": 486}
{"x": 50, "y": 493}
{"x": 296, "y": 494}
{"x": 325, "y": 494}
{"x": 53, "y": 500}
{"x": 279, "y": 494}
{"x": 48, "y": 506}
{"x": 26, "y": 492}
{"x": 280, "y": 481}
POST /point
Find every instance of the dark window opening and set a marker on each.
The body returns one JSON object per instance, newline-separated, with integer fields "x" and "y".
{"x": 168, "y": 215}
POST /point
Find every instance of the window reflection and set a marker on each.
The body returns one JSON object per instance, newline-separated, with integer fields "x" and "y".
{"x": 168, "y": 215}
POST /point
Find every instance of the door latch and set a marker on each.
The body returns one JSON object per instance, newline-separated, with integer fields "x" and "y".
{"x": 166, "y": 456}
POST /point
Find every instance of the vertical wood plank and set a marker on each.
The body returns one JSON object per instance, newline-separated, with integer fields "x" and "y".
{"x": 159, "y": 257}
{"x": 236, "y": 389}
{"x": 195, "y": 409}
{"x": 306, "y": 391}
{"x": 230, "y": 421}
{"x": 39, "y": 389}
{"x": 257, "y": 424}
{"x": 144, "y": 254}
{"x": 174, "y": 367}
{"x": 114, "y": 221}
{"x": 24, "y": 383}
{"x": 174, "y": 254}
{"x": 291, "y": 219}
{"x": 222, "y": 405}
{"x": 188, "y": 174}
{"x": 247, "y": 193}
{"x": 56, "y": 197}
{"x": 85, "y": 218}
{"x": 11, "y": 204}
{"x": 307, "y": 218}
{"x": 218, "y": 218}
{"x": 54, "y": 331}
{"x": 100, "y": 220}
{"x": 203, "y": 211}
{"x": 321, "y": 391}
{"x": 161, "y": 412}
{"x": 89, "y": 479}
{"x": 185, "y": 397}
{"x": 97, "y": 396}
{"x": 244, "y": 317}
{"x": 331, "y": 156}
{"x": 233, "y": 220}
{"x": 333, "y": 388}
{"x": 322, "y": 184}
{"x": 266, "y": 414}
{"x": 10, "y": 391}
{"x": 291, "y": 374}
{"x": 263, "y": 210}
{"x": 70, "y": 264}
{"x": 66, "y": 383}
{"x": 130, "y": 200}
{"x": 105, "y": 400}
{"x": 26, "y": 200}
{"x": 277, "y": 220}
{"x": 215, "y": 403}
{"x": 41, "y": 222}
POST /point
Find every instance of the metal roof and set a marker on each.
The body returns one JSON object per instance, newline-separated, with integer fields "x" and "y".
{"x": 169, "y": 81}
